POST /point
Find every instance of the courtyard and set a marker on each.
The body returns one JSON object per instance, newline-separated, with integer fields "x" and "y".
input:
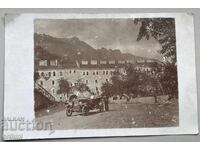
{"x": 120, "y": 115}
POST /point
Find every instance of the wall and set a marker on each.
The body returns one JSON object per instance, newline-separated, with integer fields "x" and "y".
{"x": 72, "y": 75}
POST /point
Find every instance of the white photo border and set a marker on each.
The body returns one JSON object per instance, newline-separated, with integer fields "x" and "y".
{"x": 19, "y": 70}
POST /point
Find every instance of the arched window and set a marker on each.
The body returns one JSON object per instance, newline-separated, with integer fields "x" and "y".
{"x": 96, "y": 81}
{"x": 54, "y": 73}
{"x": 53, "y": 91}
{"x": 49, "y": 74}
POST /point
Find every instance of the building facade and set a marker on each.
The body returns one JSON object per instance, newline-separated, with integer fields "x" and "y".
{"x": 92, "y": 73}
{"x": 93, "y": 78}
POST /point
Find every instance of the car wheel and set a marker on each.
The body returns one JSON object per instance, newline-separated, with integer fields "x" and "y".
{"x": 85, "y": 111}
{"x": 68, "y": 112}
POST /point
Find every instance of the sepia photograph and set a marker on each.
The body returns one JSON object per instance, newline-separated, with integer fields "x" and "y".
{"x": 106, "y": 73}
{"x": 99, "y": 75}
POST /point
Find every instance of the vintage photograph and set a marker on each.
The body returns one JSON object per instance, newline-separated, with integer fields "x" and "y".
{"x": 106, "y": 73}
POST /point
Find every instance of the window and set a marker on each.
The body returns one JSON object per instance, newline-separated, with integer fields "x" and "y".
{"x": 42, "y": 74}
{"x": 61, "y": 73}
{"x": 97, "y": 73}
{"x": 103, "y": 72}
{"x": 54, "y": 73}
{"x": 106, "y": 80}
{"x": 53, "y": 82}
{"x": 41, "y": 83}
{"x": 96, "y": 81}
{"x": 106, "y": 72}
{"x": 86, "y": 81}
{"x": 70, "y": 71}
{"x": 83, "y": 73}
{"x": 93, "y": 73}
{"x": 87, "y": 73}
{"x": 97, "y": 90}
{"x": 49, "y": 74}
{"x": 74, "y": 71}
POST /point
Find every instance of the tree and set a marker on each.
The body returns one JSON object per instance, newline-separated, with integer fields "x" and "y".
{"x": 117, "y": 85}
{"x": 36, "y": 76}
{"x": 107, "y": 89}
{"x": 132, "y": 80}
{"x": 169, "y": 80}
{"x": 163, "y": 30}
{"x": 132, "y": 83}
{"x": 81, "y": 87}
{"x": 121, "y": 83}
{"x": 64, "y": 87}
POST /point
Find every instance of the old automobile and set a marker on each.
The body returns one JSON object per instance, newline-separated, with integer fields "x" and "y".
{"x": 84, "y": 105}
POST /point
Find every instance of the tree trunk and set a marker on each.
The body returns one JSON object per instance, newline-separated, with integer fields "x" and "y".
{"x": 156, "y": 101}
{"x": 65, "y": 96}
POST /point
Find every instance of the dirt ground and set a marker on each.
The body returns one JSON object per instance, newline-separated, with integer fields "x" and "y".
{"x": 134, "y": 115}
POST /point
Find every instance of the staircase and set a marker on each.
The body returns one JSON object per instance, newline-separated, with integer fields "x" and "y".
{"x": 40, "y": 89}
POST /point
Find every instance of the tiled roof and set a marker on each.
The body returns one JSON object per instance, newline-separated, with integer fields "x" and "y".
{"x": 118, "y": 64}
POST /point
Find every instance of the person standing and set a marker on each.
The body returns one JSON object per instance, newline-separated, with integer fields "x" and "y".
{"x": 105, "y": 99}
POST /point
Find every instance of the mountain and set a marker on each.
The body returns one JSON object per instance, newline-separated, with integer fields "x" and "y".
{"x": 64, "y": 47}
{"x": 71, "y": 49}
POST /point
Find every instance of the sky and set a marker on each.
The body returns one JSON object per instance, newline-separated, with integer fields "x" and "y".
{"x": 108, "y": 33}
